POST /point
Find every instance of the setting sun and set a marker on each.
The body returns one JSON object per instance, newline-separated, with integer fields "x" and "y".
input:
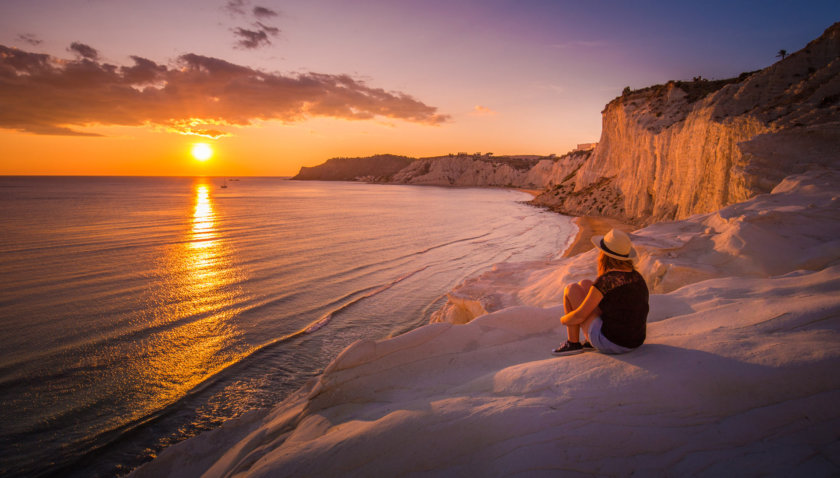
{"x": 202, "y": 151}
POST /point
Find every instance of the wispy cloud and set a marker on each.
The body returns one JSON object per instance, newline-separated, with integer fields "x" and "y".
{"x": 251, "y": 39}
{"x": 480, "y": 110}
{"x": 235, "y": 7}
{"x": 194, "y": 95}
{"x": 258, "y": 33}
{"x": 30, "y": 38}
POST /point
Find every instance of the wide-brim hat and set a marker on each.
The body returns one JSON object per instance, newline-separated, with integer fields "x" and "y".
{"x": 616, "y": 244}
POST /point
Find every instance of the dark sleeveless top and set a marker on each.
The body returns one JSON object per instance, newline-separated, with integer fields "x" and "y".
{"x": 624, "y": 308}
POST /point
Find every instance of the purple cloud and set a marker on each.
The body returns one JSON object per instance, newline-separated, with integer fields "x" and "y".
{"x": 84, "y": 51}
{"x": 235, "y": 7}
{"x": 263, "y": 12}
{"x": 30, "y": 38}
{"x": 251, "y": 39}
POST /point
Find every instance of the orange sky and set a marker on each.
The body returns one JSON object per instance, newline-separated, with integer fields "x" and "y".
{"x": 111, "y": 88}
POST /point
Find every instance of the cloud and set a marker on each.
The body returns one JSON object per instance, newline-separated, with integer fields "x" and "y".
{"x": 84, "y": 51}
{"x": 30, "y": 39}
{"x": 273, "y": 31}
{"x": 251, "y": 39}
{"x": 483, "y": 111}
{"x": 263, "y": 12}
{"x": 258, "y": 34}
{"x": 235, "y": 7}
{"x": 194, "y": 95}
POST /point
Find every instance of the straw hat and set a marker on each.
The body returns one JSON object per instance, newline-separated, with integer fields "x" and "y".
{"x": 616, "y": 244}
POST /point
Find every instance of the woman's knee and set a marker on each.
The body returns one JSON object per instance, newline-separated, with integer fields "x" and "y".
{"x": 572, "y": 290}
{"x": 578, "y": 289}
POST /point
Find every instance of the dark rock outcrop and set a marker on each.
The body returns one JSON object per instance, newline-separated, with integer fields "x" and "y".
{"x": 379, "y": 168}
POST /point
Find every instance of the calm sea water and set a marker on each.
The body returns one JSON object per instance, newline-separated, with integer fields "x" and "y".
{"x": 136, "y": 312}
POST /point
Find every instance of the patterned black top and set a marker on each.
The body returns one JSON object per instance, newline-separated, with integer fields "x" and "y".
{"x": 624, "y": 308}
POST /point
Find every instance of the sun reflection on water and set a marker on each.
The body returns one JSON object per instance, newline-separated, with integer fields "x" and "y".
{"x": 203, "y": 219}
{"x": 196, "y": 309}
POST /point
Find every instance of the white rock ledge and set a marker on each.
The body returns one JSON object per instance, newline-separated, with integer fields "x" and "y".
{"x": 738, "y": 376}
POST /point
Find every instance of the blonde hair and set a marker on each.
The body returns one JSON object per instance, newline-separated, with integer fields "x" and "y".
{"x": 606, "y": 263}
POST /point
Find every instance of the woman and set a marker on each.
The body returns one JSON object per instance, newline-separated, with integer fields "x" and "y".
{"x": 613, "y": 310}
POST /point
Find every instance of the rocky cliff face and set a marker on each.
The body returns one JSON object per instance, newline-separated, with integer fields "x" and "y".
{"x": 475, "y": 170}
{"x": 380, "y": 167}
{"x": 455, "y": 170}
{"x": 674, "y": 150}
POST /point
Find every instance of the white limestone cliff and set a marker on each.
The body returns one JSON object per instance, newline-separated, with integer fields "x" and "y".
{"x": 665, "y": 154}
{"x": 476, "y": 170}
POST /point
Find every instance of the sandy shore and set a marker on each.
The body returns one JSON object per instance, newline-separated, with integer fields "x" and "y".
{"x": 532, "y": 192}
{"x": 589, "y": 226}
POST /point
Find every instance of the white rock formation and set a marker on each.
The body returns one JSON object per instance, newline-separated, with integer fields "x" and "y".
{"x": 737, "y": 377}
{"x": 664, "y": 156}
{"x": 465, "y": 170}
{"x": 797, "y": 226}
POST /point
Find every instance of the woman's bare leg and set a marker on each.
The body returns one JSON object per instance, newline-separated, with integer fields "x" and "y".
{"x": 573, "y": 296}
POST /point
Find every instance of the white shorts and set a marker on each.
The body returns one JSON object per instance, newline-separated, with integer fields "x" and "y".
{"x": 601, "y": 343}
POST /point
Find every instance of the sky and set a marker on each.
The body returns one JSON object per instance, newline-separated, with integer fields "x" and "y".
{"x": 120, "y": 87}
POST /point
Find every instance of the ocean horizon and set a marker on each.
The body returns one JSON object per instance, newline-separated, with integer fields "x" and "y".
{"x": 139, "y": 311}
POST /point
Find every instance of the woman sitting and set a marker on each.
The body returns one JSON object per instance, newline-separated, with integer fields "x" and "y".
{"x": 613, "y": 310}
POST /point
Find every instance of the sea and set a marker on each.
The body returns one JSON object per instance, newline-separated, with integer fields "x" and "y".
{"x": 136, "y": 312}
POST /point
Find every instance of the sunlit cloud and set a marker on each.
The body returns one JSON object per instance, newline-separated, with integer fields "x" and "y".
{"x": 30, "y": 39}
{"x": 194, "y": 95}
{"x": 480, "y": 110}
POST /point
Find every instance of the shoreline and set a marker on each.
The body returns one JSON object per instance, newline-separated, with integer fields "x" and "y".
{"x": 532, "y": 192}
{"x": 589, "y": 226}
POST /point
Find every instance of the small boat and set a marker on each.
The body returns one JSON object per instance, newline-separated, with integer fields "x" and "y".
{"x": 224, "y": 185}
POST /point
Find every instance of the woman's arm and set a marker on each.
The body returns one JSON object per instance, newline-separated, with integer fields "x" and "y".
{"x": 589, "y": 304}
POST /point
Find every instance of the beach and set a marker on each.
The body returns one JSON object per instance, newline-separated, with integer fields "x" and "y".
{"x": 589, "y": 226}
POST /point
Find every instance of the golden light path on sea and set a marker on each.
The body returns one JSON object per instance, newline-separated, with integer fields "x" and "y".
{"x": 198, "y": 304}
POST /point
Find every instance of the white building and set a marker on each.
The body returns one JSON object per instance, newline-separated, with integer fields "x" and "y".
{"x": 586, "y": 146}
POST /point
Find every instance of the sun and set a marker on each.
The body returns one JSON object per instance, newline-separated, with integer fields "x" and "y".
{"x": 202, "y": 151}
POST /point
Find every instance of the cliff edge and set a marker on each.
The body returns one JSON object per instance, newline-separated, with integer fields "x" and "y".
{"x": 683, "y": 148}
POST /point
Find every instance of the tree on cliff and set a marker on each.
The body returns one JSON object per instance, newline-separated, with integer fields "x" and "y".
{"x": 782, "y": 54}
